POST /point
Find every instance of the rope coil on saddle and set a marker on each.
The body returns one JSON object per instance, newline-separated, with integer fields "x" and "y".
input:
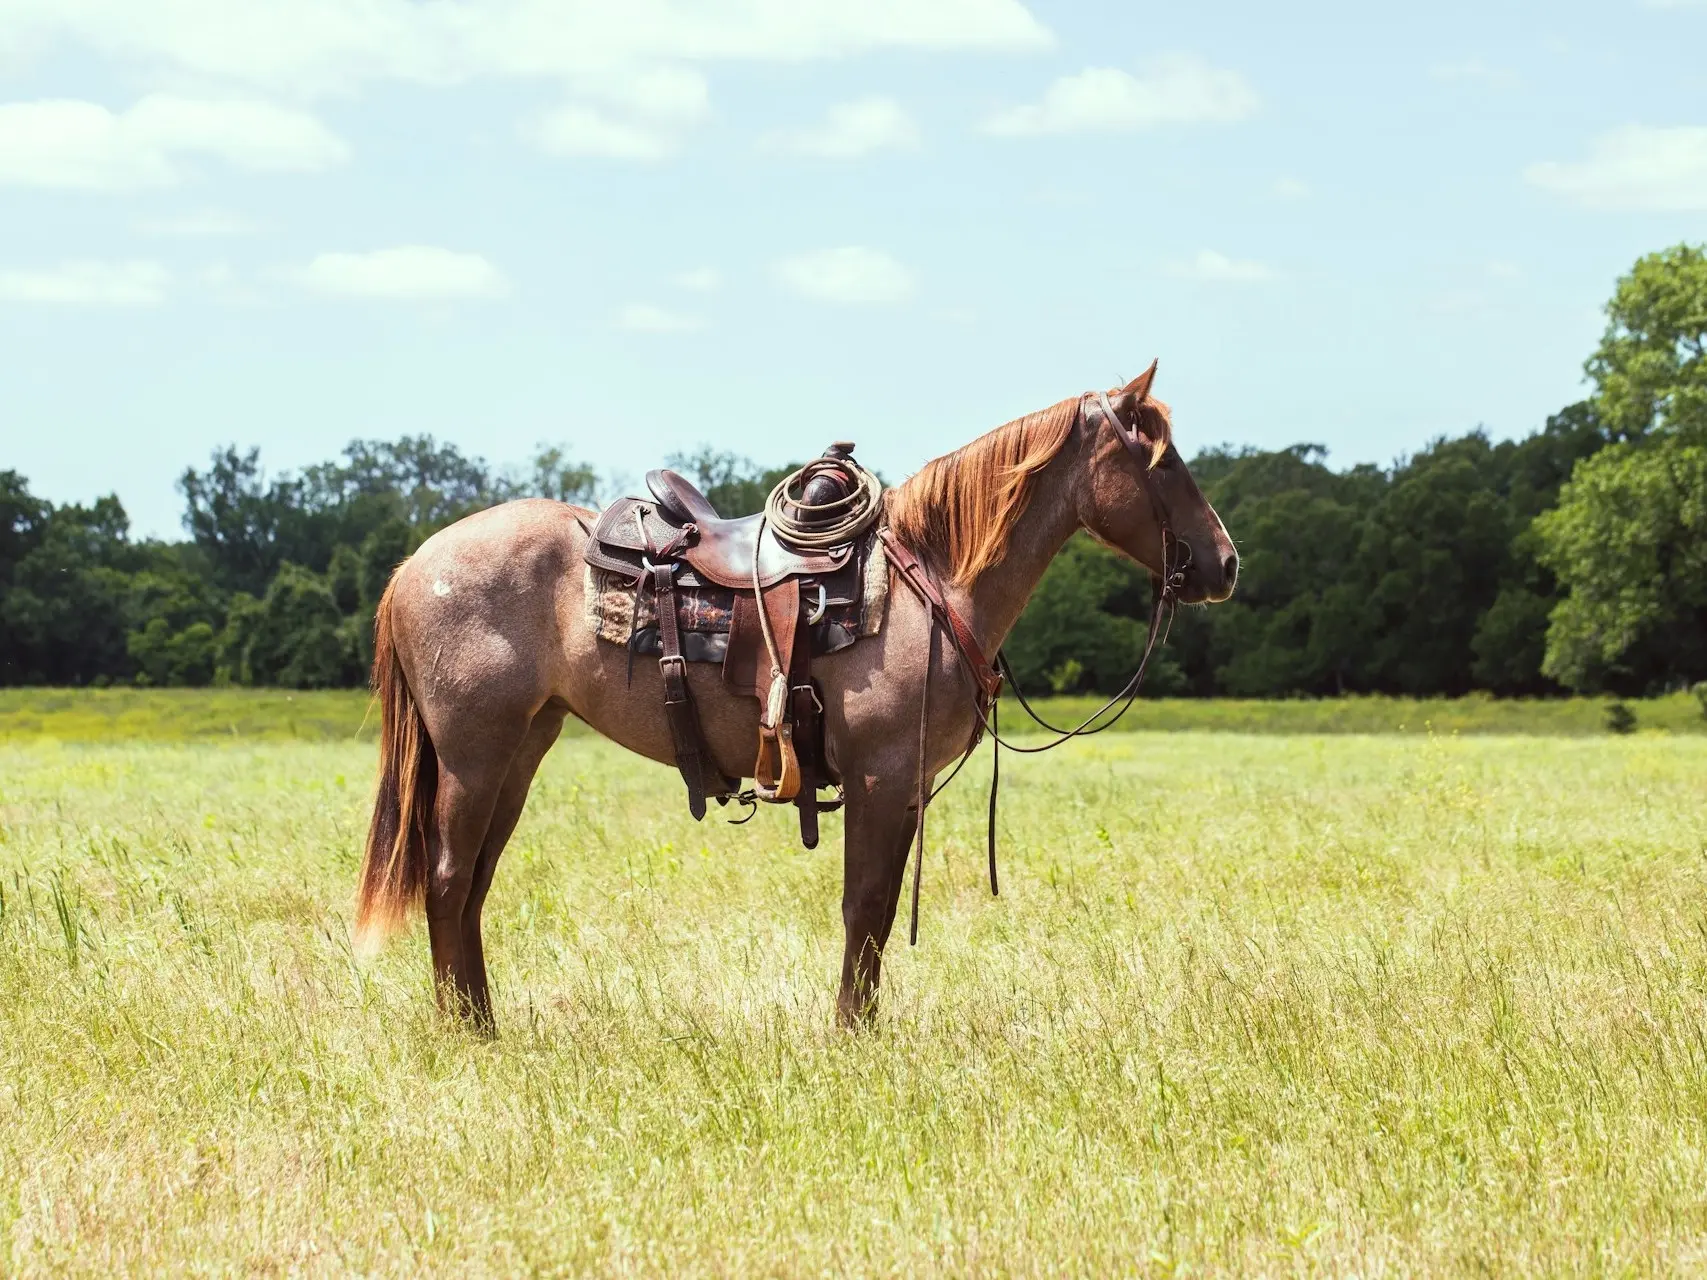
{"x": 827, "y": 503}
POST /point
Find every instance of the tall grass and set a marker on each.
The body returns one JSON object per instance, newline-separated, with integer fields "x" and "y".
{"x": 1248, "y": 1005}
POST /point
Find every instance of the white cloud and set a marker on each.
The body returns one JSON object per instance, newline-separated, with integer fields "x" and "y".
{"x": 700, "y": 279}
{"x": 1633, "y": 168}
{"x": 641, "y": 317}
{"x": 1175, "y": 89}
{"x": 652, "y": 111}
{"x": 854, "y": 129}
{"x": 1291, "y": 189}
{"x": 850, "y": 274}
{"x": 410, "y": 273}
{"x": 202, "y": 224}
{"x": 320, "y": 46}
{"x": 585, "y": 131}
{"x": 1218, "y": 267}
{"x": 1501, "y": 269}
{"x": 92, "y": 284}
{"x": 82, "y": 145}
{"x": 667, "y": 95}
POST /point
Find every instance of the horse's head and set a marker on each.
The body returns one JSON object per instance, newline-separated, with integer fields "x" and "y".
{"x": 1129, "y": 478}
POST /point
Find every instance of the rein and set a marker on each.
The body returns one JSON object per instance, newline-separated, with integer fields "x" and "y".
{"x": 988, "y": 677}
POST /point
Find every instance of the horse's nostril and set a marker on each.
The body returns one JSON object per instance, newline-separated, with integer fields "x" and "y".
{"x": 1230, "y": 567}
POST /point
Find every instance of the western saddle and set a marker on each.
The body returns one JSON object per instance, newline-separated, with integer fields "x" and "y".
{"x": 774, "y": 596}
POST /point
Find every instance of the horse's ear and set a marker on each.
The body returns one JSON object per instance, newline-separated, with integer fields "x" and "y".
{"x": 1139, "y": 387}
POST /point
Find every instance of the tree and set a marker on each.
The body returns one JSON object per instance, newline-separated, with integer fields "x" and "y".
{"x": 553, "y": 474}
{"x": 1300, "y": 621}
{"x": 1629, "y": 541}
{"x": 1085, "y": 626}
{"x": 63, "y": 615}
{"x": 242, "y": 523}
{"x": 292, "y": 637}
{"x": 1626, "y": 540}
{"x": 1651, "y": 367}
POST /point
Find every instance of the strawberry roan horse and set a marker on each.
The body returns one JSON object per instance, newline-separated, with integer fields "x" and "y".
{"x": 483, "y": 647}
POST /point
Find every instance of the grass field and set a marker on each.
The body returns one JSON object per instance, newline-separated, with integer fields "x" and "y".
{"x": 1374, "y": 1005}
{"x": 341, "y": 715}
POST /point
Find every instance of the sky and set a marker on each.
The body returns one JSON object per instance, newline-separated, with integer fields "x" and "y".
{"x": 633, "y": 227}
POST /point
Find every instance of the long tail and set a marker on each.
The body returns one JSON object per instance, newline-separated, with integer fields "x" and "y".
{"x": 394, "y": 867}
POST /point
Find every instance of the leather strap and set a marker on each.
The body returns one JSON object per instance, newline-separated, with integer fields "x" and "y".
{"x": 808, "y": 733}
{"x": 678, "y": 704}
{"x": 914, "y": 573}
{"x": 988, "y": 681}
{"x": 1172, "y": 575}
{"x": 691, "y": 759}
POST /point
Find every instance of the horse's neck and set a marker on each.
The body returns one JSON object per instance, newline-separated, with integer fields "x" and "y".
{"x": 995, "y": 602}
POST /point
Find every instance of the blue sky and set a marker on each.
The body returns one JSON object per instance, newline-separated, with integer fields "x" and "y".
{"x": 766, "y": 224}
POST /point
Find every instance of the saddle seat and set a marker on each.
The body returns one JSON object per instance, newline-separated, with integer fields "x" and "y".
{"x": 723, "y": 550}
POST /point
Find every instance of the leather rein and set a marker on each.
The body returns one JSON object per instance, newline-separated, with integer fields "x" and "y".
{"x": 987, "y": 677}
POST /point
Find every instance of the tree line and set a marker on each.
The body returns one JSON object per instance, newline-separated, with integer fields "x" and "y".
{"x": 1572, "y": 559}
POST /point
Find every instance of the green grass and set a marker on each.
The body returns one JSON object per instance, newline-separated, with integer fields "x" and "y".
{"x": 341, "y": 715}
{"x": 1419, "y": 1005}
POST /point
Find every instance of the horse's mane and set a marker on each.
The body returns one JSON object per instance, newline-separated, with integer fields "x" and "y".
{"x": 964, "y": 504}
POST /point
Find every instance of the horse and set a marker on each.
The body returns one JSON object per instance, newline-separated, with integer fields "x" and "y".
{"x": 483, "y": 647}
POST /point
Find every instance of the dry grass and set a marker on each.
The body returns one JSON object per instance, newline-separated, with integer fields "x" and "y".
{"x": 1249, "y": 1005}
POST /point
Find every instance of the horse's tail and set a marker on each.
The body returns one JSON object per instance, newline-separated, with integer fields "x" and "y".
{"x": 394, "y": 866}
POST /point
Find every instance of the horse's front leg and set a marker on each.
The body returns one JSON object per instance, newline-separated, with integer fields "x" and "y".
{"x": 877, "y": 837}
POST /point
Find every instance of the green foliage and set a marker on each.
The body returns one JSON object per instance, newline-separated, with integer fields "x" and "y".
{"x": 1085, "y": 626}
{"x": 277, "y": 584}
{"x": 1651, "y": 367}
{"x": 167, "y": 657}
{"x": 1629, "y": 542}
{"x": 1620, "y": 719}
{"x": 294, "y": 637}
{"x": 62, "y": 614}
{"x": 1511, "y": 641}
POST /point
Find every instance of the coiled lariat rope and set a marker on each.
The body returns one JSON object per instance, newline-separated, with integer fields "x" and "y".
{"x": 850, "y": 501}
{"x": 818, "y": 526}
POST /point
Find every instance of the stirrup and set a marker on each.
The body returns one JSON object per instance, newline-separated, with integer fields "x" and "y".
{"x": 776, "y": 772}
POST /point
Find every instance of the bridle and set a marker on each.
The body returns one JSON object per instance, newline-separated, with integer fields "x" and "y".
{"x": 988, "y": 677}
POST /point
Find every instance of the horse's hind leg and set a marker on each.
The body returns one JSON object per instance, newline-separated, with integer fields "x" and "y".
{"x": 876, "y": 838}
{"x": 512, "y": 795}
{"x": 474, "y": 764}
